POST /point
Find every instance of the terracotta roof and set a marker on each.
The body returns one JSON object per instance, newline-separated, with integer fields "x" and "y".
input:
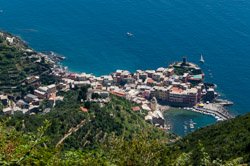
{"x": 137, "y": 108}
{"x": 176, "y": 90}
{"x": 84, "y": 109}
{"x": 121, "y": 94}
{"x": 150, "y": 80}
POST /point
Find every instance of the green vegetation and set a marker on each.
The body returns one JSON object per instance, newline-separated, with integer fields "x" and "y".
{"x": 114, "y": 118}
{"x": 107, "y": 132}
{"x": 225, "y": 141}
{"x": 48, "y": 79}
{"x": 16, "y": 64}
{"x": 116, "y": 135}
{"x": 20, "y": 148}
{"x": 34, "y": 148}
{"x": 180, "y": 70}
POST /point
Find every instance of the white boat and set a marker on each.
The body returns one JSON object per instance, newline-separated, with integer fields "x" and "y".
{"x": 191, "y": 124}
{"x": 129, "y": 34}
{"x": 202, "y": 59}
{"x": 219, "y": 119}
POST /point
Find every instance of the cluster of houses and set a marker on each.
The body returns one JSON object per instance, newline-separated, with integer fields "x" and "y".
{"x": 30, "y": 104}
{"x": 165, "y": 84}
{"x": 180, "y": 84}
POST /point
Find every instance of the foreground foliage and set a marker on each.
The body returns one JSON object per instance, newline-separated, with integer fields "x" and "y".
{"x": 225, "y": 140}
{"x": 115, "y": 118}
{"x": 19, "y": 148}
{"x": 115, "y": 135}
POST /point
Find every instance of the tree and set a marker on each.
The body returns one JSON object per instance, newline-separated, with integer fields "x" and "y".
{"x": 1, "y": 107}
{"x": 95, "y": 96}
{"x": 87, "y": 104}
{"x": 184, "y": 159}
{"x": 82, "y": 94}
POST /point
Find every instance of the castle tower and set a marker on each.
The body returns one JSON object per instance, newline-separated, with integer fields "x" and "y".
{"x": 184, "y": 60}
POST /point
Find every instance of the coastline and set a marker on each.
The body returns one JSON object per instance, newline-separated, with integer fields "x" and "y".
{"x": 109, "y": 84}
{"x": 165, "y": 107}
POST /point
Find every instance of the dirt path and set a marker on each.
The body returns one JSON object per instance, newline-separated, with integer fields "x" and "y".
{"x": 71, "y": 131}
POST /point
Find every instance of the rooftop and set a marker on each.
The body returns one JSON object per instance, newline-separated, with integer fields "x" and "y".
{"x": 84, "y": 109}
{"x": 197, "y": 76}
{"x": 137, "y": 108}
{"x": 176, "y": 90}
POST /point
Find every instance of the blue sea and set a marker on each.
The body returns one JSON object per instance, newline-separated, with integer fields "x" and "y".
{"x": 92, "y": 35}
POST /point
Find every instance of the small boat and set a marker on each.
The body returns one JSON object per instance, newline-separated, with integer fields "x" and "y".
{"x": 129, "y": 34}
{"x": 191, "y": 124}
{"x": 219, "y": 119}
{"x": 202, "y": 59}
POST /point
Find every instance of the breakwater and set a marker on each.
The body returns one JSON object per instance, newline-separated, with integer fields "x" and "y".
{"x": 215, "y": 110}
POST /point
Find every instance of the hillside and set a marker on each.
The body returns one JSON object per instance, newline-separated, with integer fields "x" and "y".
{"x": 225, "y": 140}
{"x": 112, "y": 134}
{"x": 114, "y": 118}
{"x": 17, "y": 62}
{"x": 126, "y": 138}
{"x": 225, "y": 143}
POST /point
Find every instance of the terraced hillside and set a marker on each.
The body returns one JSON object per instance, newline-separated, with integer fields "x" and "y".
{"x": 17, "y": 62}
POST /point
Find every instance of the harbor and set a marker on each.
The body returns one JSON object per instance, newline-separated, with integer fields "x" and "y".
{"x": 213, "y": 109}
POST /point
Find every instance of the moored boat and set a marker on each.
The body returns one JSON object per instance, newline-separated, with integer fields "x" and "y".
{"x": 202, "y": 59}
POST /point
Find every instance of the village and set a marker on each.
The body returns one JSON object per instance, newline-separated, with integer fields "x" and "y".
{"x": 181, "y": 84}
